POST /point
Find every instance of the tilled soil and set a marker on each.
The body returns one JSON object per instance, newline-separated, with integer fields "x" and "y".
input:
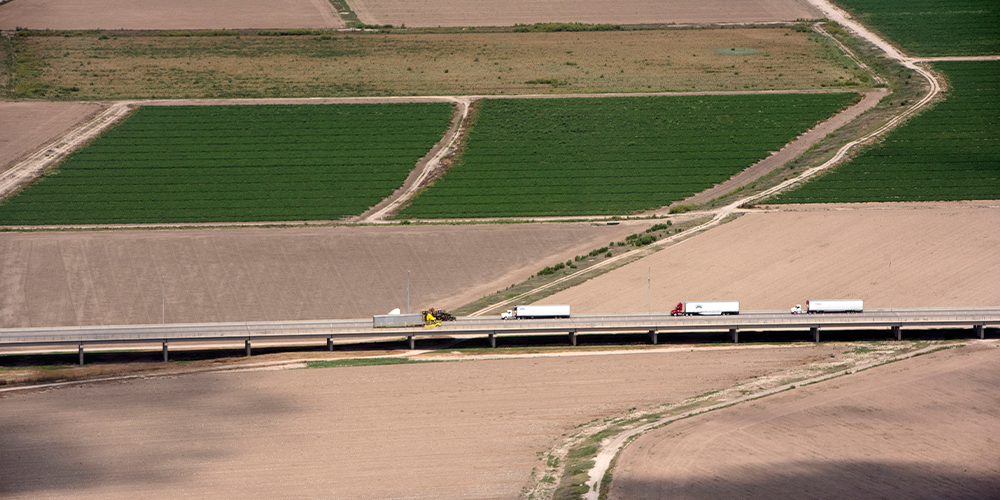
{"x": 432, "y": 13}
{"x": 942, "y": 254}
{"x": 27, "y": 126}
{"x": 921, "y": 428}
{"x": 174, "y": 15}
{"x": 269, "y": 274}
{"x": 463, "y": 429}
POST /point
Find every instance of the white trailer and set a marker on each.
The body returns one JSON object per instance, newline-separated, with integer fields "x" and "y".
{"x": 397, "y": 320}
{"x": 706, "y": 308}
{"x": 835, "y": 306}
{"x": 536, "y": 312}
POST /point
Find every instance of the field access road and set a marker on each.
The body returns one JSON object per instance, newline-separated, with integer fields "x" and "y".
{"x": 896, "y": 320}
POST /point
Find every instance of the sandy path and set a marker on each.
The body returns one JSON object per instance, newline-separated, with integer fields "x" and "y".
{"x": 471, "y": 429}
{"x": 426, "y": 170}
{"x": 921, "y": 428}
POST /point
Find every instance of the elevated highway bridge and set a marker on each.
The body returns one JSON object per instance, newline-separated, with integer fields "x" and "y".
{"x": 894, "y": 320}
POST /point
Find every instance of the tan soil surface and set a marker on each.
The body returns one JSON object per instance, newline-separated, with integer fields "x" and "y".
{"x": 351, "y": 65}
{"x": 262, "y": 274}
{"x": 468, "y": 429}
{"x": 414, "y": 13}
{"x": 27, "y": 126}
{"x": 920, "y": 428}
{"x": 943, "y": 255}
{"x": 172, "y": 15}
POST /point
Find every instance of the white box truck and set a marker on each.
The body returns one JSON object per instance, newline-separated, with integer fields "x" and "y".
{"x": 536, "y": 312}
{"x": 706, "y": 308}
{"x": 835, "y": 306}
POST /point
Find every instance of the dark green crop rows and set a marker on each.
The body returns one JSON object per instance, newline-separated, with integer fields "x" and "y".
{"x": 236, "y": 163}
{"x": 934, "y": 27}
{"x": 591, "y": 156}
{"x": 951, "y": 152}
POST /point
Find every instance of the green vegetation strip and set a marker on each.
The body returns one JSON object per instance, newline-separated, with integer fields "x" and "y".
{"x": 950, "y": 152}
{"x": 934, "y": 27}
{"x": 236, "y": 163}
{"x": 607, "y": 156}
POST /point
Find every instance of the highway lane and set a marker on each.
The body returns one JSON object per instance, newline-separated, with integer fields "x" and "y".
{"x": 483, "y": 326}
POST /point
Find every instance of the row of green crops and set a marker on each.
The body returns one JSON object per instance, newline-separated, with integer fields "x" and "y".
{"x": 236, "y": 163}
{"x": 592, "y": 156}
{"x": 934, "y": 27}
{"x": 950, "y": 152}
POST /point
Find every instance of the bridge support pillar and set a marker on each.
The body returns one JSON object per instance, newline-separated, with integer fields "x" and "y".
{"x": 814, "y": 331}
{"x": 652, "y": 337}
{"x": 329, "y": 343}
{"x": 493, "y": 340}
{"x": 166, "y": 356}
{"x": 248, "y": 347}
{"x": 81, "y": 353}
{"x": 572, "y": 339}
{"x": 413, "y": 343}
{"x": 979, "y": 331}
{"x": 734, "y": 333}
{"x": 897, "y": 332}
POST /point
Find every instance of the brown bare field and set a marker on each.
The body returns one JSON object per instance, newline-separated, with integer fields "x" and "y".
{"x": 943, "y": 255}
{"x": 921, "y": 428}
{"x": 431, "y": 13}
{"x": 26, "y": 126}
{"x": 262, "y": 274}
{"x": 174, "y": 15}
{"x": 467, "y": 429}
{"x": 140, "y": 67}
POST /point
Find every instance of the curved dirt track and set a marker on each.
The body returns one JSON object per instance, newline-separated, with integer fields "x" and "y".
{"x": 920, "y": 428}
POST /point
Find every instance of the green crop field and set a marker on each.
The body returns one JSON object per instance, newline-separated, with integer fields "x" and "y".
{"x": 951, "y": 152}
{"x": 594, "y": 156}
{"x": 235, "y": 163}
{"x": 934, "y": 27}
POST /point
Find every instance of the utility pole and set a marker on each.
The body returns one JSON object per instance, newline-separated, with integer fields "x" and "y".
{"x": 890, "y": 285}
{"x": 163, "y": 303}
{"x": 407, "y": 292}
{"x": 649, "y": 285}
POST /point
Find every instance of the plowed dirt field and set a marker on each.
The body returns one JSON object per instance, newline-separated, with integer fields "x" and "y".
{"x": 261, "y": 274}
{"x": 27, "y": 126}
{"x": 173, "y": 15}
{"x": 467, "y": 429}
{"x": 942, "y": 254}
{"x": 921, "y": 428}
{"x": 491, "y": 13}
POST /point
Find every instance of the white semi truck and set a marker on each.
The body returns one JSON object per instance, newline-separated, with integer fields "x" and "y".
{"x": 536, "y": 312}
{"x": 706, "y": 308}
{"x": 834, "y": 306}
